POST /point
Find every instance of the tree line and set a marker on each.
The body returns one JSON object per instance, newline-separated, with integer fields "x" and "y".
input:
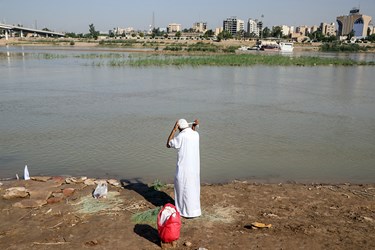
{"x": 275, "y": 32}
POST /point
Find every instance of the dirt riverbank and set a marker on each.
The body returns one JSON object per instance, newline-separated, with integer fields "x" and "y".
{"x": 302, "y": 216}
{"x": 139, "y": 44}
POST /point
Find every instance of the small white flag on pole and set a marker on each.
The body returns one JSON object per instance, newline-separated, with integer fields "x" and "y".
{"x": 26, "y": 174}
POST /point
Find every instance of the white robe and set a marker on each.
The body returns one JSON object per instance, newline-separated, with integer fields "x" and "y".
{"x": 187, "y": 179}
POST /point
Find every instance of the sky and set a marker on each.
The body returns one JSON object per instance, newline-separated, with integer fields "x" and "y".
{"x": 77, "y": 15}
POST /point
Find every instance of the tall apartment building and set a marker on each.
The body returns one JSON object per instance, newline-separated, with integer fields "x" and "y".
{"x": 355, "y": 21}
{"x": 233, "y": 25}
{"x": 328, "y": 29}
{"x": 200, "y": 27}
{"x": 173, "y": 27}
{"x": 253, "y": 27}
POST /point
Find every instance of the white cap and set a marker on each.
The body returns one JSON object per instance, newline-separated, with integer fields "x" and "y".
{"x": 182, "y": 124}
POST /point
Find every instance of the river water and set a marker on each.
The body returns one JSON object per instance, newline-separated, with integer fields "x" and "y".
{"x": 65, "y": 116}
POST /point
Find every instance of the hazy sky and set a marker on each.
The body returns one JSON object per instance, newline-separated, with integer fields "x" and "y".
{"x": 76, "y": 15}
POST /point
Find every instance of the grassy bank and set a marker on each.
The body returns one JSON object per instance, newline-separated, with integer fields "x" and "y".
{"x": 236, "y": 60}
{"x": 344, "y": 47}
{"x": 196, "y": 58}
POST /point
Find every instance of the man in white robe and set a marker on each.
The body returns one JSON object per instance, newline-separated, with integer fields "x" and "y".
{"x": 187, "y": 179}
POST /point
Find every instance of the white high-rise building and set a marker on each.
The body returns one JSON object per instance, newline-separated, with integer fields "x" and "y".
{"x": 253, "y": 27}
{"x": 233, "y": 25}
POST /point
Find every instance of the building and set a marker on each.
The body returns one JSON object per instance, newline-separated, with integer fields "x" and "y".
{"x": 328, "y": 29}
{"x": 218, "y": 30}
{"x": 286, "y": 30}
{"x": 372, "y": 29}
{"x": 233, "y": 25}
{"x": 121, "y": 31}
{"x": 314, "y": 28}
{"x": 253, "y": 28}
{"x": 200, "y": 27}
{"x": 355, "y": 22}
{"x": 173, "y": 27}
{"x": 303, "y": 30}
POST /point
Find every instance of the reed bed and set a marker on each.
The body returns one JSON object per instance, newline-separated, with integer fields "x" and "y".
{"x": 179, "y": 60}
{"x": 237, "y": 60}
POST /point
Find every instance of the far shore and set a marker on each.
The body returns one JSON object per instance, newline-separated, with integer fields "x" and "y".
{"x": 66, "y": 42}
{"x": 151, "y": 46}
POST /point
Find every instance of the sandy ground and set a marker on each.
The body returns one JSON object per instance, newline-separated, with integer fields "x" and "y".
{"x": 302, "y": 216}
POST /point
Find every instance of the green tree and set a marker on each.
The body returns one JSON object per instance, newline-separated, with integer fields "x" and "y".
{"x": 209, "y": 33}
{"x": 92, "y": 32}
{"x": 350, "y": 35}
{"x": 157, "y": 32}
{"x": 276, "y": 32}
{"x": 252, "y": 35}
{"x": 240, "y": 34}
{"x": 329, "y": 39}
{"x": 371, "y": 38}
{"x": 71, "y": 34}
{"x": 266, "y": 32}
{"x": 190, "y": 30}
{"x": 224, "y": 35}
{"x": 178, "y": 34}
{"x": 316, "y": 36}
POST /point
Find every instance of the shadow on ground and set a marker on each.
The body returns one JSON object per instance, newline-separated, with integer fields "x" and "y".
{"x": 147, "y": 232}
{"x": 157, "y": 198}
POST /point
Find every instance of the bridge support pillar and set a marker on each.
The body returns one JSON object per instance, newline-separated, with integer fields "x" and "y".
{"x": 6, "y": 35}
{"x": 21, "y": 34}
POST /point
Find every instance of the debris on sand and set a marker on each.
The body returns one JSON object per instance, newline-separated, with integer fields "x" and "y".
{"x": 88, "y": 205}
{"x": 258, "y": 225}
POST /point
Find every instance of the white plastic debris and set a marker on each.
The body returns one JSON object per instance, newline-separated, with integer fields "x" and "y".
{"x": 101, "y": 190}
{"x": 26, "y": 174}
{"x": 167, "y": 212}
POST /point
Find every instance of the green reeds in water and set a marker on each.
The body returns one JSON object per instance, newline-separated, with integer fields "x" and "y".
{"x": 241, "y": 60}
{"x": 124, "y": 60}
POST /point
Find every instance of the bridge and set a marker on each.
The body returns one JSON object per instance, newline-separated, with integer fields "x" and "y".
{"x": 9, "y": 29}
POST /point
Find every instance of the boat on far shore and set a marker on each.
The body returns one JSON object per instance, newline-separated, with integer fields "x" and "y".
{"x": 286, "y": 46}
{"x": 276, "y": 46}
{"x": 246, "y": 48}
{"x": 270, "y": 46}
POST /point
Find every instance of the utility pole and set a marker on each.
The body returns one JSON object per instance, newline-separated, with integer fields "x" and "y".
{"x": 153, "y": 20}
{"x": 261, "y": 27}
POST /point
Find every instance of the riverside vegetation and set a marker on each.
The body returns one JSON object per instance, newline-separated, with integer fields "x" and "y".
{"x": 180, "y": 60}
{"x": 167, "y": 53}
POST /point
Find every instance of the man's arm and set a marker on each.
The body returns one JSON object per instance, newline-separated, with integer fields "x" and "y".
{"x": 171, "y": 135}
{"x": 195, "y": 124}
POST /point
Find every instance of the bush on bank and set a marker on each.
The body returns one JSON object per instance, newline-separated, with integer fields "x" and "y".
{"x": 342, "y": 47}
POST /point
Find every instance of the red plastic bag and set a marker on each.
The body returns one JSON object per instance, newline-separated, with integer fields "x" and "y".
{"x": 169, "y": 223}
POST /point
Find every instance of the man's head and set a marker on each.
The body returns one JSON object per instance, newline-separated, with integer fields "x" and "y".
{"x": 182, "y": 124}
